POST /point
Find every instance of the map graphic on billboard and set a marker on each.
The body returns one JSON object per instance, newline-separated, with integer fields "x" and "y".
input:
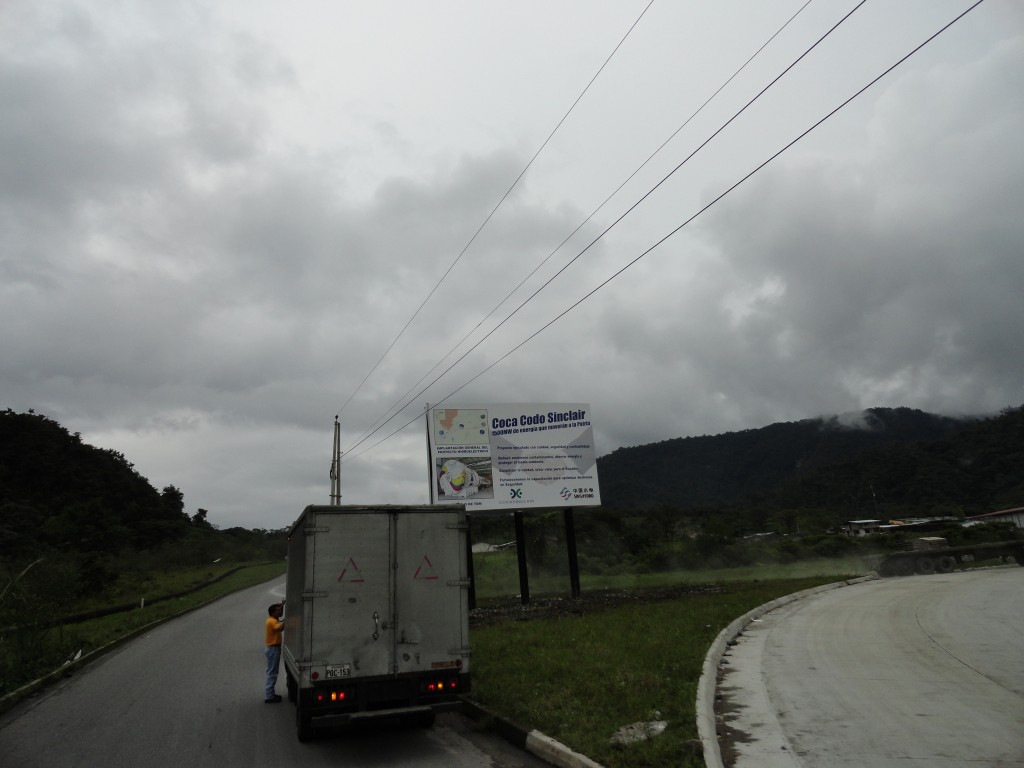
{"x": 460, "y": 426}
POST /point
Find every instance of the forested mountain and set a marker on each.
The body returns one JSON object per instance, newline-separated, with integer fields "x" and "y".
{"x": 975, "y": 469}
{"x": 901, "y": 459}
{"x": 93, "y": 518}
{"x": 58, "y": 492}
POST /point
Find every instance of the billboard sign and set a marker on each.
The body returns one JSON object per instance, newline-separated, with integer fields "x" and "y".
{"x": 511, "y": 456}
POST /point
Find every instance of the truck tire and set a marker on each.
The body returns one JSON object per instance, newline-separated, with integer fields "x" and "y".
{"x": 303, "y": 722}
{"x": 291, "y": 686}
{"x": 924, "y": 565}
{"x": 903, "y": 567}
{"x": 945, "y": 564}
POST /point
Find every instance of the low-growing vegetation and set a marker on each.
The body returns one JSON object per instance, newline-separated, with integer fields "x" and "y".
{"x": 37, "y": 640}
{"x": 616, "y": 548}
{"x": 496, "y": 574}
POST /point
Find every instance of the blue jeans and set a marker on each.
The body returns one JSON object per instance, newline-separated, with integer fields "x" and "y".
{"x": 273, "y": 654}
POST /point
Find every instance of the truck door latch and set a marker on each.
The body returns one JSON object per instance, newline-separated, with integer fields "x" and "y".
{"x": 376, "y": 625}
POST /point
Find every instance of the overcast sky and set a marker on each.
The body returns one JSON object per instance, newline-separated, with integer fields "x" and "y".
{"x": 216, "y": 218}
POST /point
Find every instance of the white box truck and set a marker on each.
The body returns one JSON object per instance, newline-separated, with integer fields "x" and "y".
{"x": 377, "y": 613}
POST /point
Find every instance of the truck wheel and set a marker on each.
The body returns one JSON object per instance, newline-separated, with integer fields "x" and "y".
{"x": 903, "y": 567}
{"x": 303, "y": 722}
{"x": 945, "y": 564}
{"x": 291, "y": 686}
{"x": 925, "y": 565}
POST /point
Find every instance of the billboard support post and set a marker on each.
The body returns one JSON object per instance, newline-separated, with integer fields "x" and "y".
{"x": 570, "y": 543}
{"x": 524, "y": 580}
{"x": 431, "y": 480}
{"x": 469, "y": 563}
{"x": 516, "y": 456}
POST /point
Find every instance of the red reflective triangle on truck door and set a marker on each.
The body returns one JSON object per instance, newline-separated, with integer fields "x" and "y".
{"x": 428, "y": 573}
{"x": 356, "y": 576}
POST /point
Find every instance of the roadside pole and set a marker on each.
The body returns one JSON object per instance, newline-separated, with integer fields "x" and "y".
{"x": 524, "y": 580}
{"x": 570, "y": 544}
{"x": 469, "y": 563}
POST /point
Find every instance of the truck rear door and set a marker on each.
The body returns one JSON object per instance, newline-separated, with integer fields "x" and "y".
{"x": 431, "y": 592}
{"x": 353, "y": 608}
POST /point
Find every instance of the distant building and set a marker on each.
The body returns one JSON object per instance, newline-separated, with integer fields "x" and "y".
{"x": 868, "y": 527}
{"x": 483, "y": 548}
{"x": 1015, "y": 516}
{"x": 925, "y": 523}
{"x": 863, "y": 527}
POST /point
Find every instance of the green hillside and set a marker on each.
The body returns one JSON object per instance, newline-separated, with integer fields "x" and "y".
{"x": 93, "y": 518}
{"x": 84, "y": 537}
{"x": 87, "y": 508}
{"x": 899, "y": 458}
{"x": 58, "y": 492}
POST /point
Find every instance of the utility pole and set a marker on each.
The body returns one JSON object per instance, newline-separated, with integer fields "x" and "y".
{"x": 336, "y": 466}
{"x": 431, "y": 472}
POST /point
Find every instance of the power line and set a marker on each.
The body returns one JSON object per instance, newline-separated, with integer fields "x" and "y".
{"x": 702, "y": 210}
{"x": 494, "y": 210}
{"x": 629, "y": 210}
{"x": 395, "y": 406}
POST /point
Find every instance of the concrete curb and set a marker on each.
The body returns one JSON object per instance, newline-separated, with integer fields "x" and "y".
{"x": 707, "y": 730}
{"x": 534, "y": 742}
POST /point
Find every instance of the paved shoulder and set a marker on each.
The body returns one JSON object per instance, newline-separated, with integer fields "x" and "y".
{"x": 924, "y": 668}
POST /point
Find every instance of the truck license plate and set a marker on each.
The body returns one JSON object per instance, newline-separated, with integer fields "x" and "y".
{"x": 339, "y": 670}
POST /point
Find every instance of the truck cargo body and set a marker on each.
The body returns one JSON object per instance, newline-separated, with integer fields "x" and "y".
{"x": 929, "y": 556}
{"x": 377, "y": 614}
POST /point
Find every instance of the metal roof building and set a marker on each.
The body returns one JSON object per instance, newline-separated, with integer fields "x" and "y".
{"x": 1015, "y": 516}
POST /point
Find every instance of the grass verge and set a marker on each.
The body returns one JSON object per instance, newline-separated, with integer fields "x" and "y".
{"x": 96, "y": 633}
{"x": 579, "y": 678}
{"x": 496, "y": 574}
{"x": 28, "y": 653}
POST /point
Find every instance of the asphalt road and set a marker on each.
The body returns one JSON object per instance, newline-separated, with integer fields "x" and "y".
{"x": 190, "y": 694}
{"x": 922, "y": 670}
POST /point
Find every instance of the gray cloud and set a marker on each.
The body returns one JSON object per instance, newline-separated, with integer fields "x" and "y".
{"x": 198, "y": 273}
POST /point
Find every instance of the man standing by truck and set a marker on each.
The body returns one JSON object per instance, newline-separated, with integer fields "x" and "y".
{"x": 273, "y": 628}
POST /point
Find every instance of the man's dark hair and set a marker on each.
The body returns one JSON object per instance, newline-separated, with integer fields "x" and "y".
{"x": 270, "y": 610}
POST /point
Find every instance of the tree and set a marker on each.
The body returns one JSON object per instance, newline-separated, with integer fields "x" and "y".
{"x": 199, "y": 520}
{"x": 173, "y": 501}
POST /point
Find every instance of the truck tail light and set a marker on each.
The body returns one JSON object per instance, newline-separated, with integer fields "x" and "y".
{"x": 440, "y": 685}
{"x": 322, "y": 697}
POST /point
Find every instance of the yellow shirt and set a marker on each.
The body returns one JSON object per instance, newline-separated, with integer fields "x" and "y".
{"x": 273, "y": 631}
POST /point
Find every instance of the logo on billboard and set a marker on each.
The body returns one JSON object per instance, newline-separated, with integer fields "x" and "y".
{"x": 576, "y": 493}
{"x": 515, "y": 493}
